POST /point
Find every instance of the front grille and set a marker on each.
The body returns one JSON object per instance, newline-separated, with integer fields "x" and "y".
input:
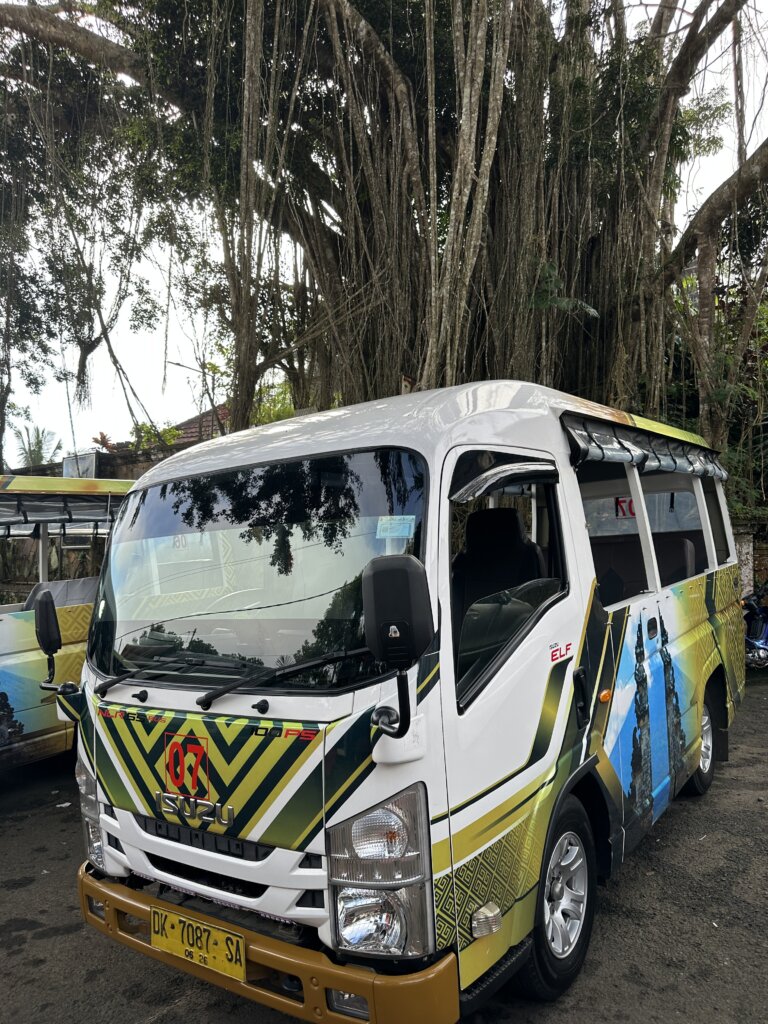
{"x": 201, "y": 840}
{"x": 311, "y": 898}
{"x": 210, "y": 879}
{"x": 311, "y": 860}
{"x": 115, "y": 843}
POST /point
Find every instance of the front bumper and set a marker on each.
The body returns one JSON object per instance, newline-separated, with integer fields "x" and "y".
{"x": 429, "y": 995}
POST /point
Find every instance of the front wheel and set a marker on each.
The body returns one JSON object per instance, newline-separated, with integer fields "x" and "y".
{"x": 565, "y": 908}
{"x": 701, "y": 780}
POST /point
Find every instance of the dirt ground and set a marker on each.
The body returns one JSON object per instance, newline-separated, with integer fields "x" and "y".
{"x": 680, "y": 933}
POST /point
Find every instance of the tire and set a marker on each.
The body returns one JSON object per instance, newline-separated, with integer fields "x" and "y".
{"x": 701, "y": 780}
{"x": 561, "y": 940}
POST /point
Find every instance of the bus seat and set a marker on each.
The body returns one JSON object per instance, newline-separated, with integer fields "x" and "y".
{"x": 619, "y": 567}
{"x": 675, "y": 556}
{"x": 497, "y": 556}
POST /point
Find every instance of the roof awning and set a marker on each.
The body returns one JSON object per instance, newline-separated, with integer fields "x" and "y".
{"x": 21, "y": 512}
{"x": 598, "y": 441}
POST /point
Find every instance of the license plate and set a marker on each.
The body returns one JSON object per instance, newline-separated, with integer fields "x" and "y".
{"x": 198, "y": 943}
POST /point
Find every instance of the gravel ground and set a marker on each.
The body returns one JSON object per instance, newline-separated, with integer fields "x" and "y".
{"x": 680, "y": 934}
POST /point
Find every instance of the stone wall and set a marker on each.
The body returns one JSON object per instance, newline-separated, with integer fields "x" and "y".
{"x": 761, "y": 560}
{"x": 743, "y": 534}
{"x": 123, "y": 464}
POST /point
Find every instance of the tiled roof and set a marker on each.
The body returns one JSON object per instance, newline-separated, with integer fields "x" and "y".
{"x": 200, "y": 428}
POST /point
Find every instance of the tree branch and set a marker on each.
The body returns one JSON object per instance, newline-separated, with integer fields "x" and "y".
{"x": 47, "y": 27}
{"x": 372, "y": 46}
{"x": 701, "y": 35}
{"x": 741, "y": 185}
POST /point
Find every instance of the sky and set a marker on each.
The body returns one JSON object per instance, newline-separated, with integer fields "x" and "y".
{"x": 107, "y": 411}
{"x": 142, "y": 355}
{"x": 701, "y": 177}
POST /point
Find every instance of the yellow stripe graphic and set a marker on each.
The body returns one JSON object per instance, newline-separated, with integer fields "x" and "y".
{"x": 329, "y": 803}
{"x": 431, "y": 675}
{"x": 247, "y": 785}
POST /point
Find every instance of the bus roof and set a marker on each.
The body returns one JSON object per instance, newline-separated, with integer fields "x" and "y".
{"x": 62, "y": 503}
{"x": 480, "y": 412}
{"x": 57, "y": 485}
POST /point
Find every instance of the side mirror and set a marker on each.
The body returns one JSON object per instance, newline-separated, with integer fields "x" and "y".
{"x": 48, "y": 634}
{"x": 398, "y": 626}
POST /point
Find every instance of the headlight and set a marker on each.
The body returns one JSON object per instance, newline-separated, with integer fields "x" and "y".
{"x": 370, "y": 920}
{"x": 89, "y": 808}
{"x": 380, "y": 864}
{"x": 94, "y": 844}
{"x": 86, "y": 783}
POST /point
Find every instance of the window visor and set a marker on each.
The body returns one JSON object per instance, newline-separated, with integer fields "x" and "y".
{"x": 598, "y": 441}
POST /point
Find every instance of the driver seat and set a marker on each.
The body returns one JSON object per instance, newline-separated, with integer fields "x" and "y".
{"x": 497, "y": 556}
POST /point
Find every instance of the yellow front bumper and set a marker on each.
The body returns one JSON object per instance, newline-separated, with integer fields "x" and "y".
{"x": 430, "y": 995}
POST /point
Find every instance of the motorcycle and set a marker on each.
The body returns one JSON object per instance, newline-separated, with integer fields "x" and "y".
{"x": 756, "y": 628}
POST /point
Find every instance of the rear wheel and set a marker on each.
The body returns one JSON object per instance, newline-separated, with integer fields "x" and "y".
{"x": 565, "y": 908}
{"x": 701, "y": 780}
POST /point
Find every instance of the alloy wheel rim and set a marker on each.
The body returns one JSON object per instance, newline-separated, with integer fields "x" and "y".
{"x": 565, "y": 896}
{"x": 706, "y": 741}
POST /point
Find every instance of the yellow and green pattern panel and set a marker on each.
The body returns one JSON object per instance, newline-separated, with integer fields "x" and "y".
{"x": 271, "y": 781}
{"x": 244, "y": 766}
{"x": 29, "y": 727}
{"x": 498, "y": 856}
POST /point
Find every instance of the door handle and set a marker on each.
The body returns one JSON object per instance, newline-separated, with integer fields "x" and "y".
{"x": 653, "y": 629}
{"x": 581, "y": 700}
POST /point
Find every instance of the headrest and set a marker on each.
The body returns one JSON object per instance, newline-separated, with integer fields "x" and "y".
{"x": 65, "y": 592}
{"x": 676, "y": 556}
{"x": 499, "y": 529}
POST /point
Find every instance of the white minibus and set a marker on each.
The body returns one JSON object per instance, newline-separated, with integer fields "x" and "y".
{"x": 374, "y": 697}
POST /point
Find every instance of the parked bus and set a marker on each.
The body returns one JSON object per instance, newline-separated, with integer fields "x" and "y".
{"x": 374, "y": 697}
{"x": 52, "y": 535}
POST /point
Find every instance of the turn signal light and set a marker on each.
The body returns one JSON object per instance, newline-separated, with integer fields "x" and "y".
{"x": 486, "y": 920}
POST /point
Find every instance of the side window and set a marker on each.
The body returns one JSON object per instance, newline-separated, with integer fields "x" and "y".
{"x": 714, "y": 509}
{"x": 675, "y": 522}
{"x": 613, "y": 531}
{"x": 506, "y": 560}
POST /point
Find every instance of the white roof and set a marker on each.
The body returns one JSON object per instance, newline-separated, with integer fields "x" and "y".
{"x": 426, "y": 421}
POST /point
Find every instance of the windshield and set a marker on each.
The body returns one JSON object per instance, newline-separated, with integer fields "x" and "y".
{"x": 217, "y": 575}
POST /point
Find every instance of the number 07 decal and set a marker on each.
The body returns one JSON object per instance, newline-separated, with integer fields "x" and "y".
{"x": 186, "y": 765}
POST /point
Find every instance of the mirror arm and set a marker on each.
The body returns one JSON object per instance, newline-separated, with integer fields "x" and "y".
{"x": 392, "y": 722}
{"x": 48, "y": 683}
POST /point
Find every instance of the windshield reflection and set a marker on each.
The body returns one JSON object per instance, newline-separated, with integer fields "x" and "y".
{"x": 256, "y": 566}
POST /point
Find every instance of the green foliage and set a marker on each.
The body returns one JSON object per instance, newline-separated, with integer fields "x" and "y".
{"x": 744, "y": 236}
{"x": 695, "y": 133}
{"x": 26, "y": 331}
{"x": 116, "y": 168}
{"x": 628, "y": 86}
{"x": 14, "y": 411}
{"x": 146, "y": 436}
{"x": 273, "y": 402}
{"x": 549, "y": 294}
{"x": 37, "y": 446}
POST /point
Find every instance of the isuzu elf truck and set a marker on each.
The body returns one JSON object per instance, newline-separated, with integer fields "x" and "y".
{"x": 373, "y": 698}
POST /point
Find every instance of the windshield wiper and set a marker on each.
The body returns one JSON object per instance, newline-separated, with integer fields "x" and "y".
{"x": 168, "y": 663}
{"x": 264, "y": 675}
{"x": 105, "y": 686}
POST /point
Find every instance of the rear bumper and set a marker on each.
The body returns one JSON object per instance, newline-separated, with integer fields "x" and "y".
{"x": 429, "y": 995}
